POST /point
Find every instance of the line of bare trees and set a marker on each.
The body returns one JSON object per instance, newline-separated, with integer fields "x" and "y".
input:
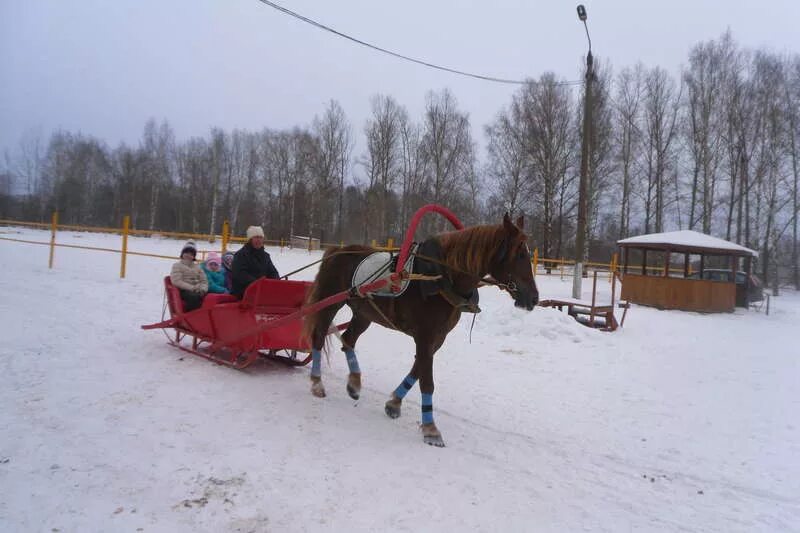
{"x": 302, "y": 181}
{"x": 715, "y": 149}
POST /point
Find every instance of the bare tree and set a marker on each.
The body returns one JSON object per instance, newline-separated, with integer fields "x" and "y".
{"x": 220, "y": 167}
{"x": 770, "y": 91}
{"x": 291, "y": 159}
{"x": 242, "y": 176}
{"x": 157, "y": 149}
{"x": 414, "y": 169}
{"x": 793, "y": 132}
{"x": 384, "y": 155}
{"x": 705, "y": 81}
{"x": 28, "y": 163}
{"x": 508, "y": 163}
{"x": 660, "y": 108}
{"x": 448, "y": 145}
{"x": 628, "y": 138}
{"x": 333, "y": 134}
{"x": 546, "y": 109}
{"x": 740, "y": 130}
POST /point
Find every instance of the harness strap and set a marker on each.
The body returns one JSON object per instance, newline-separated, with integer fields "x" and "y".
{"x": 486, "y": 280}
{"x": 386, "y": 318}
{"x": 456, "y": 300}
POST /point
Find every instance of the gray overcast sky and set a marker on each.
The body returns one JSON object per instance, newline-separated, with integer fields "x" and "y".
{"x": 104, "y": 67}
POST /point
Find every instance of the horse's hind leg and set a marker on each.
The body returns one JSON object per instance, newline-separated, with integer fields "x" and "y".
{"x": 324, "y": 321}
{"x": 358, "y": 325}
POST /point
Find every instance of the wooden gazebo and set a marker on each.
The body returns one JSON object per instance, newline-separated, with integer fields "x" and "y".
{"x": 666, "y": 287}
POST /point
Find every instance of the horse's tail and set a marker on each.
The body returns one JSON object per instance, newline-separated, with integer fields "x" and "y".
{"x": 315, "y": 294}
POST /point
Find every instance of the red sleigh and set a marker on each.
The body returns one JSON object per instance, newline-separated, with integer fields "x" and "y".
{"x": 214, "y": 331}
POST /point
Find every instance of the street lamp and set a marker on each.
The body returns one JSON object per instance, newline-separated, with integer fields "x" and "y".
{"x": 580, "y": 237}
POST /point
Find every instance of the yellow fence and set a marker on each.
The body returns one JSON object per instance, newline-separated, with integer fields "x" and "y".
{"x": 124, "y": 231}
{"x": 225, "y": 239}
{"x": 548, "y": 266}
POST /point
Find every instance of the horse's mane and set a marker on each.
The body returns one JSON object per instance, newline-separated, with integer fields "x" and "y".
{"x": 472, "y": 249}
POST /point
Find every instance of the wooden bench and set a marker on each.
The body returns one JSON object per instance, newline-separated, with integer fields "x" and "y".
{"x": 588, "y": 312}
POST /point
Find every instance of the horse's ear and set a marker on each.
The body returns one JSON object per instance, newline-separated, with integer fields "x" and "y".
{"x": 508, "y": 225}
{"x": 520, "y": 223}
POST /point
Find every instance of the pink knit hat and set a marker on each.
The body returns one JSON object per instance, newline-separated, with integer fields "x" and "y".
{"x": 213, "y": 257}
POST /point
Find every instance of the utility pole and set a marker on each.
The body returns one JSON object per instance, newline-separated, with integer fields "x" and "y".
{"x": 580, "y": 237}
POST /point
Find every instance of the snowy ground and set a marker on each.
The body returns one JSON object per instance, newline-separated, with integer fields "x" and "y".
{"x": 678, "y": 422}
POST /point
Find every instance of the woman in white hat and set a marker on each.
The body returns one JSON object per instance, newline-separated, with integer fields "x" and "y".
{"x": 251, "y": 262}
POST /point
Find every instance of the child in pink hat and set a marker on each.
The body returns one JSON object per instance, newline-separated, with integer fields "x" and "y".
{"x": 216, "y": 277}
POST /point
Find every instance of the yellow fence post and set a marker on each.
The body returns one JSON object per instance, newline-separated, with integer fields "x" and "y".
{"x": 309, "y": 243}
{"x": 374, "y": 244}
{"x": 612, "y": 267}
{"x": 341, "y": 244}
{"x": 390, "y": 243}
{"x": 535, "y": 261}
{"x": 226, "y": 235}
{"x": 53, "y": 227}
{"x": 126, "y": 226}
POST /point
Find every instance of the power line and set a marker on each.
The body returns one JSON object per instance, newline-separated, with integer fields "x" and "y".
{"x": 401, "y": 56}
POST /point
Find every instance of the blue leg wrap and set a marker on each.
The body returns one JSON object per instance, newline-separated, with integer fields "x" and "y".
{"x": 401, "y": 391}
{"x": 352, "y": 362}
{"x": 316, "y": 363}
{"x": 427, "y": 408}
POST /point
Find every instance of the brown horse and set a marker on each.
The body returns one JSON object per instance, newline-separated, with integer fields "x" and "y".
{"x": 465, "y": 258}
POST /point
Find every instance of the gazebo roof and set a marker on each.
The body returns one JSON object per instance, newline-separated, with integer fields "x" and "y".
{"x": 687, "y": 241}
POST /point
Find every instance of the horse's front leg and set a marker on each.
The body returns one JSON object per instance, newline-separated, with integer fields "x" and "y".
{"x": 394, "y": 404}
{"x": 430, "y": 433}
{"x": 422, "y": 370}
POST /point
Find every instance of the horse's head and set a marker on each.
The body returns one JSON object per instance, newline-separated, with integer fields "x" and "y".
{"x": 512, "y": 265}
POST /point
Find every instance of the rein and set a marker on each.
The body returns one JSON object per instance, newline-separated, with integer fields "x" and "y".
{"x": 338, "y": 252}
{"x": 488, "y": 280}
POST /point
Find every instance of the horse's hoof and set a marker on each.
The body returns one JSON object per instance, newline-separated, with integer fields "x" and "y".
{"x": 317, "y": 388}
{"x": 352, "y": 392}
{"x": 432, "y": 436}
{"x": 434, "y": 440}
{"x": 392, "y": 408}
{"x": 354, "y": 386}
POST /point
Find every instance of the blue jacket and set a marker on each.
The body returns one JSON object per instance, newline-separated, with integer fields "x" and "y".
{"x": 216, "y": 280}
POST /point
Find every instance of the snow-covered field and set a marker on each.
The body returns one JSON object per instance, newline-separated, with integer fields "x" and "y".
{"x": 678, "y": 422}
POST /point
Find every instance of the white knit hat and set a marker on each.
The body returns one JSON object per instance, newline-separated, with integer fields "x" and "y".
{"x": 254, "y": 231}
{"x": 190, "y": 247}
